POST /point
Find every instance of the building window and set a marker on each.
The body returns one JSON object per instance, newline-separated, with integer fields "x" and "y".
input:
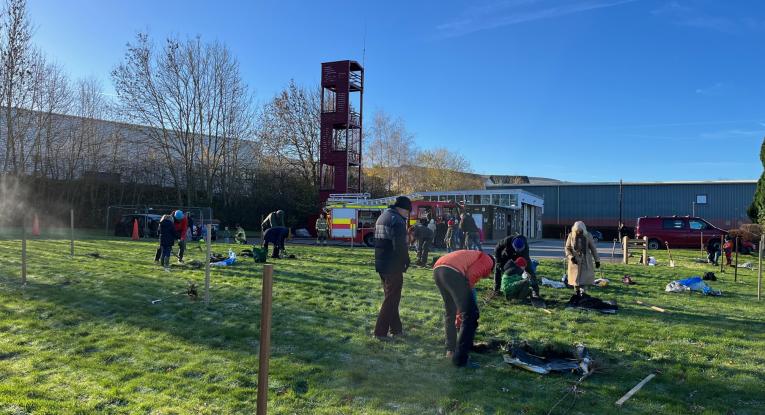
{"x": 328, "y": 100}
{"x": 504, "y": 199}
{"x": 701, "y": 199}
{"x": 485, "y": 199}
{"x": 327, "y": 177}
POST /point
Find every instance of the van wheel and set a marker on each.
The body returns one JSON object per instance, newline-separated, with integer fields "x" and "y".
{"x": 654, "y": 244}
{"x": 369, "y": 239}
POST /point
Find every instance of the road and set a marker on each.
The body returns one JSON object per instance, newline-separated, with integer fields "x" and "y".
{"x": 543, "y": 248}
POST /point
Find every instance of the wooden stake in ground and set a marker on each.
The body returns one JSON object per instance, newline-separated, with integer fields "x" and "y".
{"x": 701, "y": 246}
{"x": 207, "y": 264}
{"x": 735, "y": 269}
{"x": 71, "y": 233}
{"x": 759, "y": 267}
{"x": 634, "y": 390}
{"x": 722, "y": 255}
{"x": 265, "y": 338}
{"x": 23, "y": 254}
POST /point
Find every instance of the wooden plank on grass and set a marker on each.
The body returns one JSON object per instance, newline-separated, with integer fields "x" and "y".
{"x": 634, "y": 390}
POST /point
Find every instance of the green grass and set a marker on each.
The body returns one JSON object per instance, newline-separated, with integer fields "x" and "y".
{"x": 82, "y": 337}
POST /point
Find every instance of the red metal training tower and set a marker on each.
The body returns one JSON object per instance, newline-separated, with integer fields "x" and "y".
{"x": 342, "y": 97}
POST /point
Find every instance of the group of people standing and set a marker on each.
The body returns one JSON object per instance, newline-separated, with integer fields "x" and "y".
{"x": 172, "y": 227}
{"x": 456, "y": 274}
{"x": 459, "y": 232}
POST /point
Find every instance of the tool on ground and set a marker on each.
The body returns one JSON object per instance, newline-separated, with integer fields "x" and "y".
{"x": 634, "y": 390}
{"x": 652, "y": 307}
{"x": 671, "y": 261}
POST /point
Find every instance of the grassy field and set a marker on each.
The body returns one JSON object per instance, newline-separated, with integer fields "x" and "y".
{"x": 82, "y": 337}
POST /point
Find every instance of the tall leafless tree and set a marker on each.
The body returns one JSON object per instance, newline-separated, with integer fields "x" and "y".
{"x": 192, "y": 101}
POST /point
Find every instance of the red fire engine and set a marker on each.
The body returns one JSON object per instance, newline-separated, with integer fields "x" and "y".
{"x": 352, "y": 217}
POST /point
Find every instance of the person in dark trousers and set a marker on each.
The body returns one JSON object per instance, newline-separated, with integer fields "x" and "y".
{"x": 181, "y": 223}
{"x": 423, "y": 236}
{"x": 713, "y": 250}
{"x": 391, "y": 261}
{"x": 455, "y": 275}
{"x": 440, "y": 238}
{"x": 275, "y": 236}
{"x": 322, "y": 229}
{"x": 469, "y": 230}
{"x": 167, "y": 237}
{"x": 510, "y": 249}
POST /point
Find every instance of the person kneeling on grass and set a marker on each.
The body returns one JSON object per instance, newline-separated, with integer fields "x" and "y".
{"x": 167, "y": 237}
{"x": 455, "y": 275}
{"x": 516, "y": 281}
{"x": 240, "y": 237}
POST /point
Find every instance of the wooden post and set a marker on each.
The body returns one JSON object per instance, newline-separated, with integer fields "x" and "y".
{"x": 23, "y": 253}
{"x": 701, "y": 246}
{"x": 625, "y": 250}
{"x": 722, "y": 255}
{"x": 735, "y": 269}
{"x": 265, "y": 338}
{"x": 759, "y": 267}
{"x": 71, "y": 234}
{"x": 613, "y": 251}
{"x": 207, "y": 265}
{"x": 645, "y": 251}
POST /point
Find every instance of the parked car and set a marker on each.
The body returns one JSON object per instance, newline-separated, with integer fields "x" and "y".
{"x": 596, "y": 235}
{"x": 682, "y": 232}
{"x": 150, "y": 222}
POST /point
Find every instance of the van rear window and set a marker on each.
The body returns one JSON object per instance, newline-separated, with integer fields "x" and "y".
{"x": 673, "y": 224}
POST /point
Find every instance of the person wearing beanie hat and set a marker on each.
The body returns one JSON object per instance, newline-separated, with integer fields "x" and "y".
{"x": 516, "y": 280}
{"x": 391, "y": 261}
{"x": 456, "y": 275}
{"x": 510, "y": 249}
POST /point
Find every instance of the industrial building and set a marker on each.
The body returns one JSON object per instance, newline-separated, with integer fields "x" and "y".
{"x": 724, "y": 203}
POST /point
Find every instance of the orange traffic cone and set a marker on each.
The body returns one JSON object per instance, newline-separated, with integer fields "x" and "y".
{"x": 36, "y": 226}
{"x": 135, "y": 230}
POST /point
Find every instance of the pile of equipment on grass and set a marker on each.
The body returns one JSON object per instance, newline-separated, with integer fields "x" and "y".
{"x": 258, "y": 254}
{"x": 218, "y": 260}
{"x": 694, "y": 283}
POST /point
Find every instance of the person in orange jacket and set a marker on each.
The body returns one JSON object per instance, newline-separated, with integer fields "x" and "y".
{"x": 455, "y": 275}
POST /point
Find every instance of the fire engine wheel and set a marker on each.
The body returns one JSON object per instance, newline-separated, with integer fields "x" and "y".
{"x": 369, "y": 239}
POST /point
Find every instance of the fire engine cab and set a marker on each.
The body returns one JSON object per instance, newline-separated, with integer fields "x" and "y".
{"x": 352, "y": 216}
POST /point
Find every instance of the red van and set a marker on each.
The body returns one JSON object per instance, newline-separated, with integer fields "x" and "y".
{"x": 678, "y": 231}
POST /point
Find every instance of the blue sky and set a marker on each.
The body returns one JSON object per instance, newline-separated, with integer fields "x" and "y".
{"x": 584, "y": 90}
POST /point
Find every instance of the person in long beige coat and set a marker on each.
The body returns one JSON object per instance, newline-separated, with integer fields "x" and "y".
{"x": 582, "y": 256}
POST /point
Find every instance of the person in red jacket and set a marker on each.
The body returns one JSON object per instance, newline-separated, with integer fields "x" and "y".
{"x": 456, "y": 274}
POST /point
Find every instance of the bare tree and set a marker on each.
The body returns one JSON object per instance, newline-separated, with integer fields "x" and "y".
{"x": 192, "y": 100}
{"x": 290, "y": 128}
{"x": 389, "y": 150}
{"x": 17, "y": 59}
